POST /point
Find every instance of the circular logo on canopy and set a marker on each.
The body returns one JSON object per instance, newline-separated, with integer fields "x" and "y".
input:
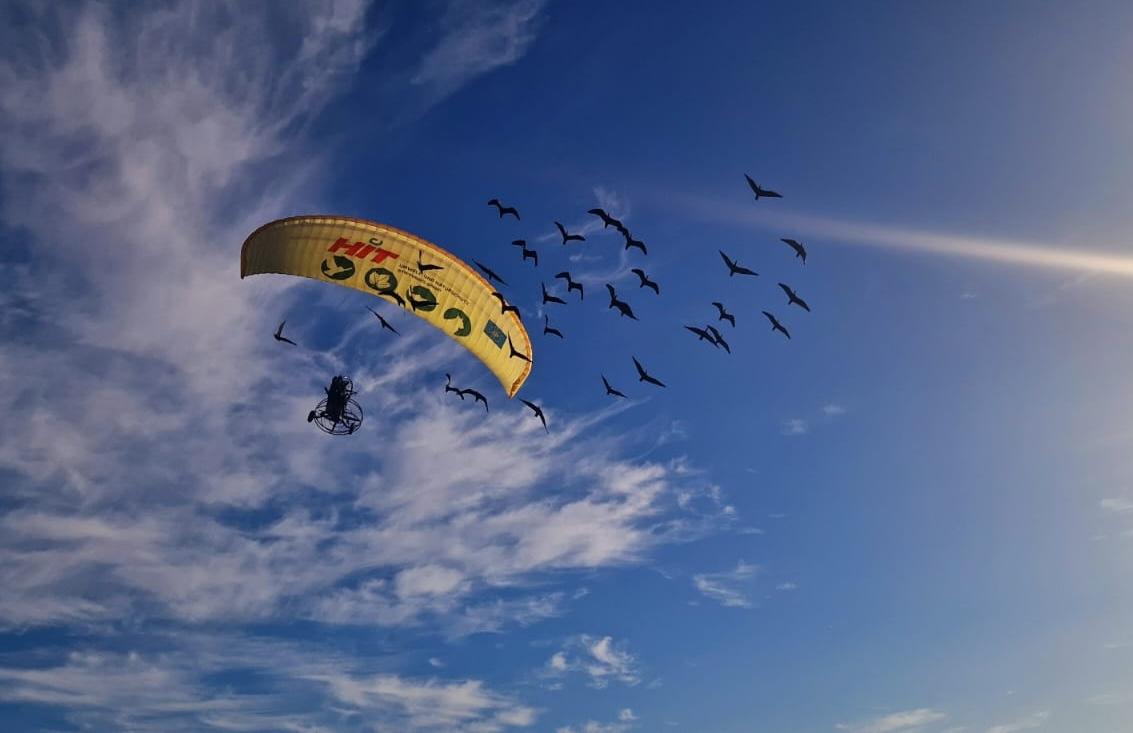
{"x": 343, "y": 268}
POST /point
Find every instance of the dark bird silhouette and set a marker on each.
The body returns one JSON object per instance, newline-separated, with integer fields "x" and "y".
{"x": 528, "y": 254}
{"x": 725, "y": 315}
{"x": 776, "y": 326}
{"x": 474, "y": 395}
{"x": 800, "y": 251}
{"x": 719, "y": 339}
{"x": 422, "y": 268}
{"x": 761, "y": 192}
{"x": 548, "y": 298}
{"x": 450, "y": 388}
{"x": 607, "y": 220}
{"x": 384, "y": 322}
{"x": 393, "y": 294}
{"x": 734, "y": 269}
{"x": 702, "y": 335}
{"x": 568, "y": 237}
{"x": 631, "y": 242}
{"x": 538, "y": 412}
{"x": 794, "y": 298}
{"x": 491, "y": 275}
{"x": 278, "y": 335}
{"x": 515, "y": 353}
{"x": 571, "y": 284}
{"x": 643, "y": 376}
{"x": 548, "y": 331}
{"x": 415, "y": 304}
{"x": 621, "y": 305}
{"x": 645, "y": 281}
{"x": 504, "y": 305}
{"x": 504, "y": 210}
{"x": 610, "y": 390}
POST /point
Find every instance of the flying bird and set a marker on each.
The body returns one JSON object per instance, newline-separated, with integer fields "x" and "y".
{"x": 504, "y": 210}
{"x": 621, "y": 305}
{"x": 474, "y": 395}
{"x": 548, "y": 331}
{"x": 489, "y": 273}
{"x": 516, "y": 353}
{"x": 548, "y": 298}
{"x": 571, "y": 284}
{"x": 800, "y": 251}
{"x": 607, "y": 220}
{"x": 415, "y": 304}
{"x": 393, "y": 294}
{"x": 610, "y": 390}
{"x": 761, "y": 192}
{"x": 384, "y": 322}
{"x": 645, "y": 281}
{"x": 422, "y": 268}
{"x": 643, "y": 376}
{"x": 278, "y": 335}
{"x": 794, "y": 298}
{"x": 719, "y": 339}
{"x": 734, "y": 269}
{"x": 538, "y": 412}
{"x": 725, "y": 315}
{"x": 702, "y": 335}
{"x": 450, "y": 388}
{"x": 568, "y": 237}
{"x": 776, "y": 326}
{"x": 504, "y": 305}
{"x": 631, "y": 242}
{"x": 528, "y": 254}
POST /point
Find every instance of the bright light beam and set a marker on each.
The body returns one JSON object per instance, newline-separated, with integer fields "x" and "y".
{"x": 1034, "y": 254}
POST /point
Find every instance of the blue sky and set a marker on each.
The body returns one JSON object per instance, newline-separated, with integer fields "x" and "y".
{"x": 914, "y": 517}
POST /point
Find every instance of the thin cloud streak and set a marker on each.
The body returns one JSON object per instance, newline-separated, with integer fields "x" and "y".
{"x": 865, "y": 234}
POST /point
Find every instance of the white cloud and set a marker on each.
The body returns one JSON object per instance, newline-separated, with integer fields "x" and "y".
{"x": 601, "y": 659}
{"x": 833, "y": 410}
{"x": 727, "y": 588}
{"x": 427, "y": 580}
{"x": 626, "y": 715}
{"x": 593, "y": 726}
{"x": 1117, "y": 505}
{"x": 477, "y": 38}
{"x": 430, "y": 705}
{"x": 300, "y": 689}
{"x": 906, "y": 721}
{"x": 787, "y": 586}
{"x": 795, "y": 426}
{"x": 1029, "y": 722}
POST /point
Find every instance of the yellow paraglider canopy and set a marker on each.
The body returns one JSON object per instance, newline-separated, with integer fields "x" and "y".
{"x": 395, "y": 265}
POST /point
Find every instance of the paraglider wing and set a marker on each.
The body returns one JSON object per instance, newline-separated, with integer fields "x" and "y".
{"x": 383, "y": 261}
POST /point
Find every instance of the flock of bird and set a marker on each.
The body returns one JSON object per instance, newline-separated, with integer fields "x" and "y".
{"x": 708, "y": 333}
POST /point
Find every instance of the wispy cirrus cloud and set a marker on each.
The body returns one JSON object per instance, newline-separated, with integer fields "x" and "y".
{"x": 905, "y": 721}
{"x": 300, "y": 689}
{"x": 476, "y": 38}
{"x": 728, "y": 588}
{"x": 1116, "y": 505}
{"x": 602, "y": 659}
{"x": 593, "y": 726}
{"x": 1029, "y": 722}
